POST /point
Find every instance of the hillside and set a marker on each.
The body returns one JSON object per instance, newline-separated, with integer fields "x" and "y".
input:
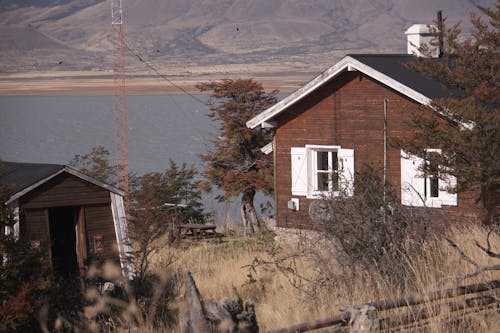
{"x": 178, "y": 35}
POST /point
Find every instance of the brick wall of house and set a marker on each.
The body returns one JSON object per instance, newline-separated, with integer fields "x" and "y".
{"x": 349, "y": 112}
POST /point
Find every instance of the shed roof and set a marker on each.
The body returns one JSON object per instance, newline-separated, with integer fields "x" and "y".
{"x": 25, "y": 177}
{"x": 389, "y": 69}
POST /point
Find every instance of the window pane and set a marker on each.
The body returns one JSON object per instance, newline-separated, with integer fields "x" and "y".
{"x": 322, "y": 181}
{"x": 322, "y": 160}
{"x": 434, "y": 187}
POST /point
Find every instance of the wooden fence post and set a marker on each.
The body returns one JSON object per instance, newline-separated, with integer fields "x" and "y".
{"x": 364, "y": 319}
{"x": 192, "y": 318}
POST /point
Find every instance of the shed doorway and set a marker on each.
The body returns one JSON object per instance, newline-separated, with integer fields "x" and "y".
{"x": 63, "y": 223}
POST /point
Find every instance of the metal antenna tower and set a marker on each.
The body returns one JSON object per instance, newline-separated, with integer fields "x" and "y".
{"x": 119, "y": 102}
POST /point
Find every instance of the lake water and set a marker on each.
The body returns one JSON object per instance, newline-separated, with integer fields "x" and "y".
{"x": 53, "y": 129}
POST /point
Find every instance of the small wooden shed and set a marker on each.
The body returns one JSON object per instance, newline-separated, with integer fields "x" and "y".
{"x": 75, "y": 217}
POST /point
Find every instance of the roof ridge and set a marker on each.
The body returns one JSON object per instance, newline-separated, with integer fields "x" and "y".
{"x": 381, "y": 55}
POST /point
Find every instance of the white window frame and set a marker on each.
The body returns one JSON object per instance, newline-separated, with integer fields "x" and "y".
{"x": 416, "y": 186}
{"x": 305, "y": 169}
{"x": 312, "y": 157}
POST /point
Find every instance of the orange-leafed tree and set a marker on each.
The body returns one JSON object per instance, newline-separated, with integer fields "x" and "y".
{"x": 236, "y": 164}
{"x": 470, "y": 138}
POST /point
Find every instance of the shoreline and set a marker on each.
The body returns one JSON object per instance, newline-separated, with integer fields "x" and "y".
{"x": 102, "y": 84}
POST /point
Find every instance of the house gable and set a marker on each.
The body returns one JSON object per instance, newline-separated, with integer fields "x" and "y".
{"x": 389, "y": 70}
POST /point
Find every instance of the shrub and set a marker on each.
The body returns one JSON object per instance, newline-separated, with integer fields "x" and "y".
{"x": 371, "y": 230}
{"x": 24, "y": 284}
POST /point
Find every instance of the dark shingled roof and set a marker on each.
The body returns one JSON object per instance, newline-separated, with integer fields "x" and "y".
{"x": 393, "y": 65}
{"x": 22, "y": 175}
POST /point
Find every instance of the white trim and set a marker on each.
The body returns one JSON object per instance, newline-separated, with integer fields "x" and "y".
{"x": 123, "y": 242}
{"x": 267, "y": 149}
{"x": 269, "y": 124}
{"x": 71, "y": 171}
{"x": 346, "y": 63}
{"x": 15, "y": 228}
{"x": 320, "y": 147}
{"x": 16, "y": 223}
{"x": 346, "y": 171}
{"x": 299, "y": 171}
{"x": 304, "y": 171}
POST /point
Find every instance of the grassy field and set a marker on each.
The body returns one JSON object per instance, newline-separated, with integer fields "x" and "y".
{"x": 281, "y": 299}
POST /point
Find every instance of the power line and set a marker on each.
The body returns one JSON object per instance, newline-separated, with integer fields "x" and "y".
{"x": 163, "y": 76}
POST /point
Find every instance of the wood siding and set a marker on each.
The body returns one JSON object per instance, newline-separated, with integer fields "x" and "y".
{"x": 65, "y": 190}
{"x": 348, "y": 112}
{"x": 99, "y": 221}
{"x": 34, "y": 225}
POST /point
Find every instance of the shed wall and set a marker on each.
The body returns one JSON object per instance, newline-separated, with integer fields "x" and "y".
{"x": 68, "y": 190}
{"x": 35, "y": 225}
{"x": 99, "y": 221}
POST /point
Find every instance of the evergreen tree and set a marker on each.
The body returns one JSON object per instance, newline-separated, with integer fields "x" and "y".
{"x": 469, "y": 136}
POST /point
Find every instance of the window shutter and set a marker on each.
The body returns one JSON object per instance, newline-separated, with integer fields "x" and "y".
{"x": 346, "y": 170}
{"x": 447, "y": 198}
{"x": 412, "y": 182}
{"x": 299, "y": 171}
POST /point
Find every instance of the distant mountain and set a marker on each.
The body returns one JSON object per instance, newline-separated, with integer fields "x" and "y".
{"x": 75, "y": 34}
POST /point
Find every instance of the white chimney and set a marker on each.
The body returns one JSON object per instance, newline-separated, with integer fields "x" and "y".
{"x": 418, "y": 35}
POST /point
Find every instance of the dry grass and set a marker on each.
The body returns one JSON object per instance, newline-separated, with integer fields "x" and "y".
{"x": 281, "y": 299}
{"x": 216, "y": 267}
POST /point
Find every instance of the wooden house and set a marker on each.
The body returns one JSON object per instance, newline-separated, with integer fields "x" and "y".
{"x": 345, "y": 118}
{"x": 76, "y": 218}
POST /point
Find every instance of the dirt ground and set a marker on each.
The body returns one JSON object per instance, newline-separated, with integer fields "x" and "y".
{"x": 102, "y": 83}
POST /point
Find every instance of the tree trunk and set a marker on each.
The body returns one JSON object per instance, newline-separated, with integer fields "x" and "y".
{"x": 251, "y": 223}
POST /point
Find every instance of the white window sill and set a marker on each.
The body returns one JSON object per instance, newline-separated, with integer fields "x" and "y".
{"x": 322, "y": 195}
{"x": 429, "y": 203}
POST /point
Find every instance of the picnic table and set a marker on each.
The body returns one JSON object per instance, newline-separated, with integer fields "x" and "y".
{"x": 197, "y": 230}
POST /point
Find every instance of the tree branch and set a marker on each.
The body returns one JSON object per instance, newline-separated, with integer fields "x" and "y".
{"x": 462, "y": 254}
{"x": 479, "y": 269}
{"x": 488, "y": 250}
